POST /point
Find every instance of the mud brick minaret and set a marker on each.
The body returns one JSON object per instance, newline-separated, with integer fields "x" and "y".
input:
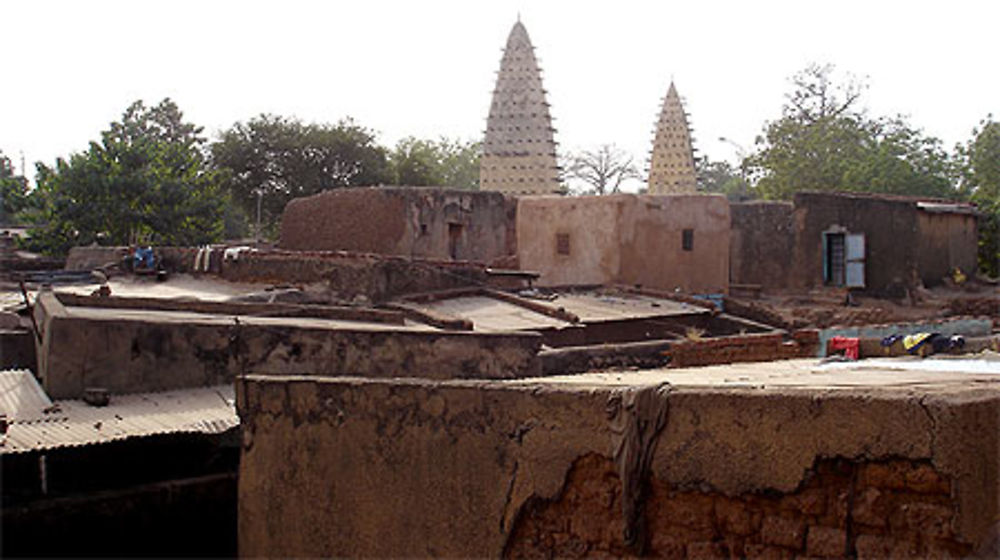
{"x": 519, "y": 153}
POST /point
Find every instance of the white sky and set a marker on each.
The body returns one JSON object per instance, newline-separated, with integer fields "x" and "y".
{"x": 426, "y": 68}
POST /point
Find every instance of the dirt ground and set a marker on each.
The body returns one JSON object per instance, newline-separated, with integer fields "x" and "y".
{"x": 828, "y": 307}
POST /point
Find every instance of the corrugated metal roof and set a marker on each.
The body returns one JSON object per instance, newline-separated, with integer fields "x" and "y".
{"x": 209, "y": 410}
{"x": 948, "y": 208}
{"x": 20, "y": 395}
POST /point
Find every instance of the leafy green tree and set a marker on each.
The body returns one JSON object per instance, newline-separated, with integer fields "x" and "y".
{"x": 146, "y": 181}
{"x": 440, "y": 163}
{"x": 13, "y": 191}
{"x": 981, "y": 156}
{"x": 825, "y": 141}
{"x": 269, "y": 160}
{"x": 721, "y": 177}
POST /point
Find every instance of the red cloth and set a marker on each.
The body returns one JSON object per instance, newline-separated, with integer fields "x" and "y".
{"x": 847, "y": 344}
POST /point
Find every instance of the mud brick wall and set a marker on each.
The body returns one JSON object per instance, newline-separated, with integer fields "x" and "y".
{"x": 405, "y": 221}
{"x": 748, "y": 348}
{"x": 843, "y": 508}
{"x": 349, "y": 275}
{"x": 125, "y": 351}
{"x": 463, "y": 468}
{"x": 762, "y": 237}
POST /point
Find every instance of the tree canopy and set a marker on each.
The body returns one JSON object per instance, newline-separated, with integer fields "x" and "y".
{"x": 722, "y": 178}
{"x": 145, "y": 182}
{"x": 981, "y": 159}
{"x": 279, "y": 158}
{"x": 13, "y": 191}
{"x": 825, "y": 141}
{"x": 440, "y": 163}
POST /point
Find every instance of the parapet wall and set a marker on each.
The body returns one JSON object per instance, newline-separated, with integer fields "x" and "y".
{"x": 369, "y": 467}
{"x": 137, "y": 350}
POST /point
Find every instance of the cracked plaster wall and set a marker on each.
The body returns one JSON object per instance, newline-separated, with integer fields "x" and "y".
{"x": 367, "y": 467}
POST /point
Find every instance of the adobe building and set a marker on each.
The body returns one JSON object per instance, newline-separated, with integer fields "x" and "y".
{"x": 403, "y": 221}
{"x": 659, "y": 242}
{"x": 671, "y": 164}
{"x": 879, "y": 244}
{"x": 519, "y": 151}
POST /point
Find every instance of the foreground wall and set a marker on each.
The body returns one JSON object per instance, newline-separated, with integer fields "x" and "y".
{"x": 405, "y": 221}
{"x": 366, "y": 467}
{"x": 627, "y": 239}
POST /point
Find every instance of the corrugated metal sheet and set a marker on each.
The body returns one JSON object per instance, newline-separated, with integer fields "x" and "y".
{"x": 948, "y": 208}
{"x": 21, "y": 397}
{"x": 209, "y": 410}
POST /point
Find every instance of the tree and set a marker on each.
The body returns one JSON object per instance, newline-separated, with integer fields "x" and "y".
{"x": 13, "y": 191}
{"x": 981, "y": 158}
{"x": 603, "y": 170}
{"x": 721, "y": 177}
{"x": 443, "y": 163}
{"x": 824, "y": 141}
{"x": 269, "y": 160}
{"x": 145, "y": 182}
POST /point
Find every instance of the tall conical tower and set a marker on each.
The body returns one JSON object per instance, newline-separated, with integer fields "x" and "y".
{"x": 671, "y": 164}
{"x": 519, "y": 153}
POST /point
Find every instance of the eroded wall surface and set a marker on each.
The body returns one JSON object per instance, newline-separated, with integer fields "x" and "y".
{"x": 405, "y": 221}
{"x": 368, "y": 467}
{"x": 627, "y": 239}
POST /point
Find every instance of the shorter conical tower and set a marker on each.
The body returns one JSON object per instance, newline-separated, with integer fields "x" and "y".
{"x": 519, "y": 152}
{"x": 671, "y": 163}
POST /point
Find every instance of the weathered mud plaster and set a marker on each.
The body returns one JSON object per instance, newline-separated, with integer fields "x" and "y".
{"x": 126, "y": 351}
{"x": 376, "y": 467}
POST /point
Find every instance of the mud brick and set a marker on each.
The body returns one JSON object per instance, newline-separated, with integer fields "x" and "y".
{"x": 826, "y": 542}
{"x": 871, "y": 507}
{"x": 706, "y": 550}
{"x": 765, "y": 552}
{"x": 691, "y": 510}
{"x": 734, "y": 516}
{"x": 873, "y": 546}
{"x": 883, "y": 475}
{"x": 932, "y": 520}
{"x": 783, "y": 531}
{"x": 811, "y": 501}
{"x": 664, "y": 545}
{"x": 924, "y": 479}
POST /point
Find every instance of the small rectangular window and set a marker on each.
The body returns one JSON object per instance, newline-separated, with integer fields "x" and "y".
{"x": 687, "y": 240}
{"x": 562, "y": 243}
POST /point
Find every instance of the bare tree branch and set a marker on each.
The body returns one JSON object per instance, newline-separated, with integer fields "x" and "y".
{"x": 603, "y": 169}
